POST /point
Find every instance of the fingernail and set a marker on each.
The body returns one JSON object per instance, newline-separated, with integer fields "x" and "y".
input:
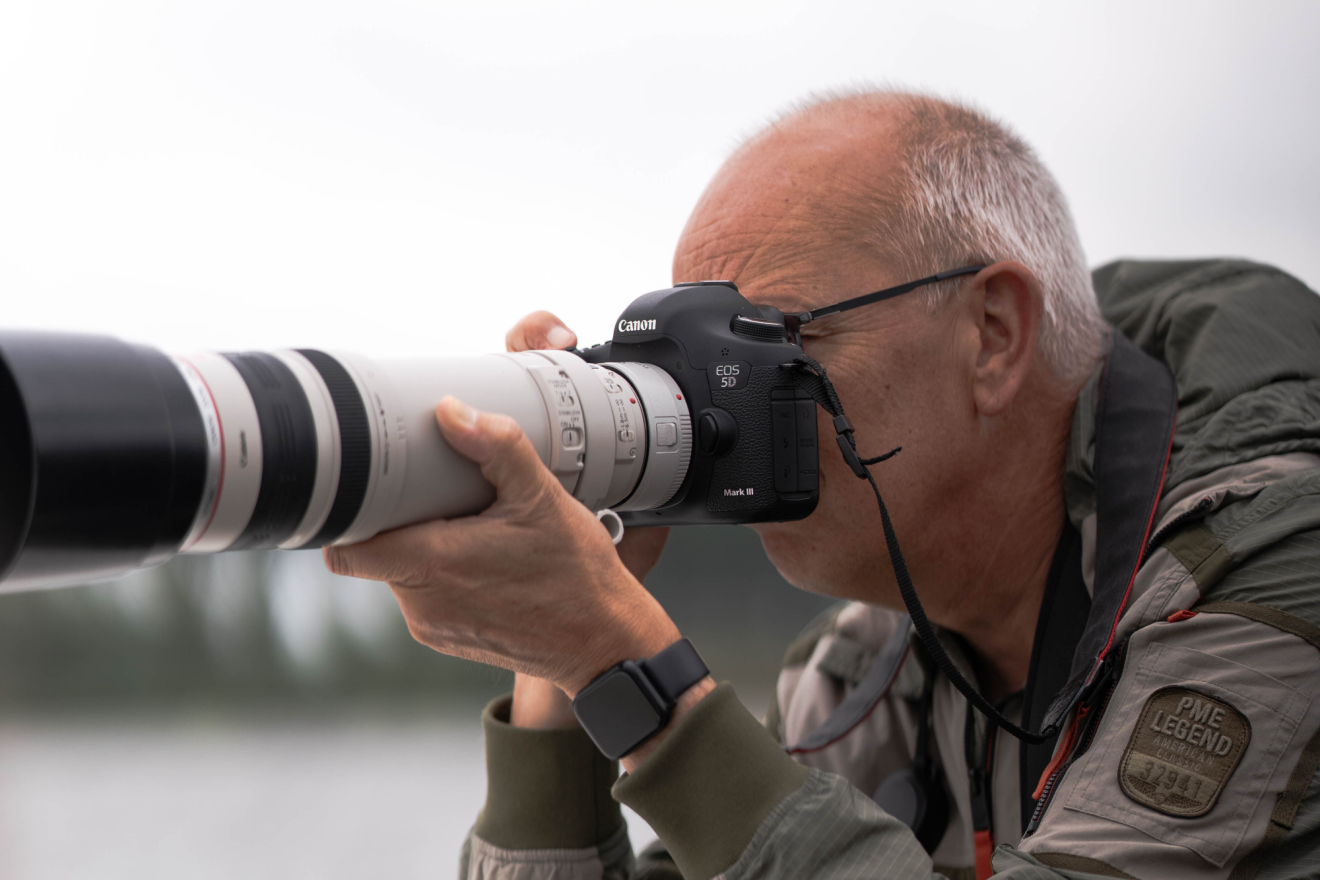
{"x": 559, "y": 337}
{"x": 464, "y": 414}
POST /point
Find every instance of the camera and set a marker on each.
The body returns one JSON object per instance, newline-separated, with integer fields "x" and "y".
{"x": 115, "y": 456}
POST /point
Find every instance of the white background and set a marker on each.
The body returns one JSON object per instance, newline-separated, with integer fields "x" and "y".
{"x": 410, "y": 177}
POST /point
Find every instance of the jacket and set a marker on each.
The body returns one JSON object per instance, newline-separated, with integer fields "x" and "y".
{"x": 1188, "y": 743}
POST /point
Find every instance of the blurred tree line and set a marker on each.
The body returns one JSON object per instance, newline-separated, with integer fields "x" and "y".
{"x": 275, "y": 628}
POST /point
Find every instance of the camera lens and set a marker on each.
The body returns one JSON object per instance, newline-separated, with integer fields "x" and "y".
{"x": 116, "y": 456}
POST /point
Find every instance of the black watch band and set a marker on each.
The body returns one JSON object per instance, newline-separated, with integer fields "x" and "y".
{"x": 629, "y": 703}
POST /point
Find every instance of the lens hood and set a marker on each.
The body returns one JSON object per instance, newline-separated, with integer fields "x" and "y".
{"x": 17, "y": 470}
{"x": 102, "y": 458}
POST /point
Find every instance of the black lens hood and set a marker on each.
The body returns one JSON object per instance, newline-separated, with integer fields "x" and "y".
{"x": 17, "y": 470}
{"x": 102, "y": 458}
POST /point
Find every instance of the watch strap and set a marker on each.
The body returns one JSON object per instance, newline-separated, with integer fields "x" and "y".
{"x": 675, "y": 669}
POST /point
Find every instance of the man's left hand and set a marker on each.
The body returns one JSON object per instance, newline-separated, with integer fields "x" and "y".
{"x": 532, "y": 584}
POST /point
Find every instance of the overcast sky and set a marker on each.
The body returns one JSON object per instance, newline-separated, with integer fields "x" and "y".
{"x": 410, "y": 177}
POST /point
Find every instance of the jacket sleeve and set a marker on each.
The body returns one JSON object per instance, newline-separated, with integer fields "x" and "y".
{"x": 548, "y": 811}
{"x": 719, "y": 791}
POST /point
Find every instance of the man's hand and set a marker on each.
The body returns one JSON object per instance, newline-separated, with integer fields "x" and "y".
{"x": 531, "y": 584}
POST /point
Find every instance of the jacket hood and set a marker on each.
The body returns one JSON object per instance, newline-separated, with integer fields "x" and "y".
{"x": 1243, "y": 343}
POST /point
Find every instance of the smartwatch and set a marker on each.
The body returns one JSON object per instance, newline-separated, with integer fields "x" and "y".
{"x": 629, "y": 703}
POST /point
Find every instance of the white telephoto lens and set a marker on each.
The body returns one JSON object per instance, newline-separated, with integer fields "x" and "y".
{"x": 616, "y": 436}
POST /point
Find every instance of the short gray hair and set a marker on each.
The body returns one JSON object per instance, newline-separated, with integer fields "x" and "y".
{"x": 970, "y": 191}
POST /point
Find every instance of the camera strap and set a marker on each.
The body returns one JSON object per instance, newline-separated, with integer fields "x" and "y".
{"x": 812, "y": 378}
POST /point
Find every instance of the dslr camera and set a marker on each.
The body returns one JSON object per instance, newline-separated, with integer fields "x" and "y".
{"x": 115, "y": 456}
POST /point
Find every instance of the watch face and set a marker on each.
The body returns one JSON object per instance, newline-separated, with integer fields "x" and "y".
{"x": 616, "y": 714}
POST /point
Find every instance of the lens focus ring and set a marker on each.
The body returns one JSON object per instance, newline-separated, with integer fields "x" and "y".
{"x": 288, "y": 438}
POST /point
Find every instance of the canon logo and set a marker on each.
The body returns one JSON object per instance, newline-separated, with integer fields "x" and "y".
{"x": 634, "y": 326}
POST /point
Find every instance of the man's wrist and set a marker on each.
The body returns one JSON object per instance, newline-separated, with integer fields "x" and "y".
{"x": 540, "y": 705}
{"x": 622, "y": 642}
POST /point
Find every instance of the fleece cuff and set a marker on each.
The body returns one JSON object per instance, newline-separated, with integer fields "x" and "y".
{"x": 710, "y": 783}
{"x": 545, "y": 789}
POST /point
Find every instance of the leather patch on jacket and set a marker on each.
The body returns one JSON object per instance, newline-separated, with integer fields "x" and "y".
{"x": 1184, "y": 749}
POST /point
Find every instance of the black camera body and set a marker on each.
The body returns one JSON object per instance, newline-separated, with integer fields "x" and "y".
{"x": 754, "y": 451}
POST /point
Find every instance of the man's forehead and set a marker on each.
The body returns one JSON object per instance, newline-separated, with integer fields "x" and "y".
{"x": 785, "y": 218}
{"x": 795, "y": 267}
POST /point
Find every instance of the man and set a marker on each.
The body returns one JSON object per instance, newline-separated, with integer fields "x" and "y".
{"x": 1141, "y": 594}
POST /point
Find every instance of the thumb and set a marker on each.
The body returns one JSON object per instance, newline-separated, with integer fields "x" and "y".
{"x": 496, "y": 443}
{"x": 539, "y": 330}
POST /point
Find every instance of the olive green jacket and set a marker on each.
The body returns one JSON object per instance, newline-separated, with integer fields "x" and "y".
{"x": 1202, "y": 761}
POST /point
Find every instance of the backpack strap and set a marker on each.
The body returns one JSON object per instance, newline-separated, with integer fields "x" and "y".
{"x": 859, "y": 704}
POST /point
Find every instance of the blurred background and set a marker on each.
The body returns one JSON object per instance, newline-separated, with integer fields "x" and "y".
{"x": 409, "y": 178}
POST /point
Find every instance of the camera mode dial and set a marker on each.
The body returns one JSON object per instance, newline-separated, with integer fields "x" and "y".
{"x": 752, "y": 328}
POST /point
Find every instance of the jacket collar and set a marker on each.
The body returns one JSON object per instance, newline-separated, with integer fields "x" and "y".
{"x": 1118, "y": 457}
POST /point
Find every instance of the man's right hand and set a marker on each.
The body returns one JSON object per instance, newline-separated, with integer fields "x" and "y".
{"x": 538, "y": 703}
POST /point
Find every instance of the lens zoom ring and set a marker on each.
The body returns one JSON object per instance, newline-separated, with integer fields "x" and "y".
{"x": 354, "y": 445}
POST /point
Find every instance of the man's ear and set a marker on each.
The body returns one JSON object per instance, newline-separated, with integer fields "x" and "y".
{"x": 1007, "y": 303}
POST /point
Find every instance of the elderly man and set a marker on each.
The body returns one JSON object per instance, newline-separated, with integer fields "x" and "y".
{"x": 1110, "y": 512}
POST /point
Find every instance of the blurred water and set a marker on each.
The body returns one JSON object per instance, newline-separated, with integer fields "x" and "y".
{"x": 251, "y": 715}
{"x": 198, "y": 797}
{"x": 274, "y": 627}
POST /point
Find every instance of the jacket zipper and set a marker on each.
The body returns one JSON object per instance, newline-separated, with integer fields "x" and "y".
{"x": 1084, "y": 742}
{"x": 979, "y": 773}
